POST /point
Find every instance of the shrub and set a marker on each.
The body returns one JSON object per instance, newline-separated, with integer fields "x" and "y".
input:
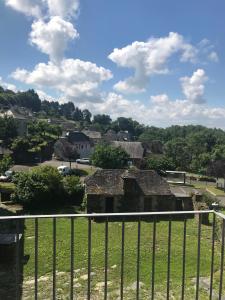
{"x": 108, "y": 157}
{"x": 6, "y": 163}
{"x": 74, "y": 190}
{"x": 41, "y": 186}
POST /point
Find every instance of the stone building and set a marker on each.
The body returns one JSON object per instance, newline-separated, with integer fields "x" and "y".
{"x": 135, "y": 150}
{"x": 110, "y": 191}
{"x": 81, "y": 142}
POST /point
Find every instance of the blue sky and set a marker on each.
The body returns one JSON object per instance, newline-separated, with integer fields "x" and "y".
{"x": 160, "y": 62}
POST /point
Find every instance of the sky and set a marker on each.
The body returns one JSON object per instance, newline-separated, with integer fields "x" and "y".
{"x": 159, "y": 62}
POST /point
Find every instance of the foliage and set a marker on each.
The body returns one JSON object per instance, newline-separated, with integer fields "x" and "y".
{"x": 8, "y": 129}
{"x": 6, "y": 163}
{"x": 65, "y": 151}
{"x": 41, "y": 186}
{"x": 161, "y": 163}
{"x": 108, "y": 157}
{"x": 178, "y": 151}
{"x": 74, "y": 190}
{"x": 43, "y": 128}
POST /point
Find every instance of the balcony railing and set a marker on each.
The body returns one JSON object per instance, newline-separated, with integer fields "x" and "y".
{"x": 197, "y": 247}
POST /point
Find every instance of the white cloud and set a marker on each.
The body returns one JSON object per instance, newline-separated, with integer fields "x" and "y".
{"x": 149, "y": 58}
{"x": 76, "y": 79}
{"x": 193, "y": 87}
{"x": 27, "y": 7}
{"x": 63, "y": 8}
{"x": 159, "y": 111}
{"x": 8, "y": 86}
{"x": 44, "y": 96}
{"x": 213, "y": 56}
{"x": 52, "y": 37}
{"x": 45, "y": 8}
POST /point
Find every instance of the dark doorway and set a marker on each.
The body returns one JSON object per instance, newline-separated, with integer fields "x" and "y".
{"x": 179, "y": 205}
{"x": 109, "y": 203}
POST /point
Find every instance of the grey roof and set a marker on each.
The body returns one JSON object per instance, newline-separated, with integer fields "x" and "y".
{"x": 93, "y": 134}
{"x": 77, "y": 136}
{"x": 111, "y": 182}
{"x": 133, "y": 149}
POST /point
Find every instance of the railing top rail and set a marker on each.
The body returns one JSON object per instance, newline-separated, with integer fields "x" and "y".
{"x": 94, "y": 215}
{"x": 219, "y": 214}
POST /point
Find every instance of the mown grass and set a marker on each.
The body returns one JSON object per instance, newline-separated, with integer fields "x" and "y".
{"x": 114, "y": 257}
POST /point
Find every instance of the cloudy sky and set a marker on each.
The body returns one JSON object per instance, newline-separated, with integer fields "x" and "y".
{"x": 160, "y": 62}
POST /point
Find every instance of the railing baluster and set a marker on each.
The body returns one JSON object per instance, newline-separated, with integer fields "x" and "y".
{"x": 168, "y": 259}
{"x": 184, "y": 259}
{"x": 54, "y": 260}
{"x": 17, "y": 260}
{"x": 212, "y": 257}
{"x": 222, "y": 261}
{"x": 153, "y": 259}
{"x": 106, "y": 258}
{"x": 89, "y": 260}
{"x": 138, "y": 258}
{"x": 72, "y": 258}
{"x": 198, "y": 257}
{"x": 36, "y": 260}
{"x": 122, "y": 260}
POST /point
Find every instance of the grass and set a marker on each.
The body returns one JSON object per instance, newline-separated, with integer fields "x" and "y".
{"x": 114, "y": 258}
{"x": 7, "y": 186}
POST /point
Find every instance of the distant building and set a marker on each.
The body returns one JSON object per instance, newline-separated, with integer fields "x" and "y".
{"x": 122, "y": 136}
{"x": 94, "y": 136}
{"x": 21, "y": 116}
{"x": 81, "y": 142}
{"x": 110, "y": 136}
{"x": 111, "y": 191}
{"x": 135, "y": 150}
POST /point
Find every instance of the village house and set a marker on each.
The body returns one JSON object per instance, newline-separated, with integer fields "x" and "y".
{"x": 110, "y": 191}
{"x": 81, "y": 142}
{"x": 21, "y": 116}
{"x": 94, "y": 136}
{"x": 135, "y": 150}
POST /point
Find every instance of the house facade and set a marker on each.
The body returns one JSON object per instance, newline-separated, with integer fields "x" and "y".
{"x": 81, "y": 142}
{"x": 110, "y": 191}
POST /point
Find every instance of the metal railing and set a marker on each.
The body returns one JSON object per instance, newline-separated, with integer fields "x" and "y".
{"x": 123, "y": 218}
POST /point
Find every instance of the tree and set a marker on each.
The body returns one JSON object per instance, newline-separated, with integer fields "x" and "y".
{"x": 102, "y": 119}
{"x": 179, "y": 152}
{"x": 107, "y": 157}
{"x": 6, "y": 163}
{"x": 65, "y": 151}
{"x": 39, "y": 187}
{"x": 160, "y": 163}
{"x": 74, "y": 190}
{"x": 8, "y": 129}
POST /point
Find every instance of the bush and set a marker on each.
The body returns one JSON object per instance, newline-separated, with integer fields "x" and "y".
{"x": 74, "y": 190}
{"x": 6, "y": 163}
{"x": 41, "y": 186}
{"x": 108, "y": 157}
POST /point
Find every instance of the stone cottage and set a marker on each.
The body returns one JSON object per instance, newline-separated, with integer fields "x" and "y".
{"x": 110, "y": 191}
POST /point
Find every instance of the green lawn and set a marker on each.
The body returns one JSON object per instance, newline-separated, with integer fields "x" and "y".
{"x": 7, "y": 186}
{"x": 114, "y": 260}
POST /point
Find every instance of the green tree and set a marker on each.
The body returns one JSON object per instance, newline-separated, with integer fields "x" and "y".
{"x": 108, "y": 157}
{"x": 160, "y": 163}
{"x": 6, "y": 163}
{"x": 74, "y": 190}
{"x": 179, "y": 152}
{"x": 39, "y": 187}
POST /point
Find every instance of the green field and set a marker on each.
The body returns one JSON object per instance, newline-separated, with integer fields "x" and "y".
{"x": 114, "y": 259}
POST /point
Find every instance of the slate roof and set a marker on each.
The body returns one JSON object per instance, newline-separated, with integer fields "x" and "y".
{"x": 77, "y": 136}
{"x": 111, "y": 182}
{"x": 133, "y": 149}
{"x": 93, "y": 134}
